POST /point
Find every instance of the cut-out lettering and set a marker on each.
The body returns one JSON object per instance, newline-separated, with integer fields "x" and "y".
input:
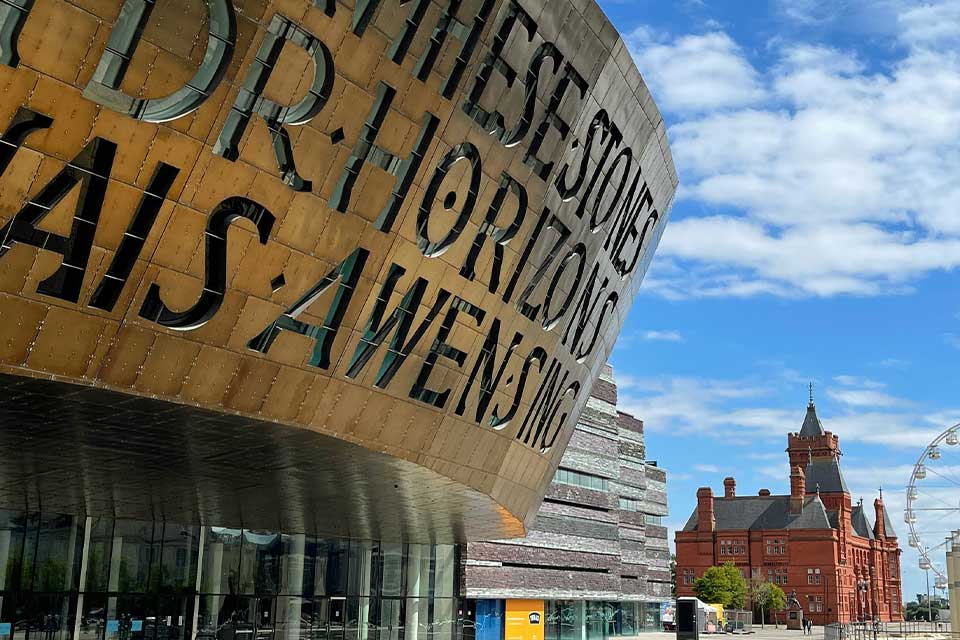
{"x": 215, "y": 267}
{"x": 104, "y": 86}
{"x": 250, "y": 99}
{"x": 91, "y": 170}
{"x": 348, "y": 273}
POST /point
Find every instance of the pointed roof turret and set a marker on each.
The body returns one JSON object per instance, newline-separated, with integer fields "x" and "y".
{"x": 811, "y": 423}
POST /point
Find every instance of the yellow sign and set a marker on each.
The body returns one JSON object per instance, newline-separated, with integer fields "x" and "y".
{"x": 524, "y": 620}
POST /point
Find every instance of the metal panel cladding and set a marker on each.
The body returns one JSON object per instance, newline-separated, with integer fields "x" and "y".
{"x": 403, "y": 235}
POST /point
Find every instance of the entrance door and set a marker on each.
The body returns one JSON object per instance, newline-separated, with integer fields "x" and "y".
{"x": 264, "y": 627}
{"x": 246, "y": 618}
{"x": 328, "y": 618}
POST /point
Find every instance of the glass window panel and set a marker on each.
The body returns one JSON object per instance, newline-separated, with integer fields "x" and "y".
{"x": 418, "y": 570}
{"x": 391, "y": 619}
{"x": 652, "y": 617}
{"x": 208, "y": 617}
{"x": 417, "y": 614}
{"x": 357, "y": 619}
{"x": 48, "y": 617}
{"x": 175, "y": 570}
{"x": 392, "y": 580}
{"x": 614, "y": 618}
{"x": 12, "y": 531}
{"x": 445, "y": 571}
{"x": 260, "y": 562}
{"x": 294, "y": 567}
{"x": 630, "y": 620}
{"x": 92, "y": 615}
{"x": 134, "y": 618}
{"x": 98, "y": 554}
{"x": 130, "y": 556}
{"x": 319, "y": 561}
{"x": 359, "y": 572}
{"x": 221, "y": 561}
{"x": 489, "y": 620}
{"x": 333, "y": 558}
{"x": 58, "y": 549}
{"x": 294, "y": 618}
{"x": 551, "y": 622}
{"x": 571, "y": 614}
{"x": 333, "y": 618}
{"x": 596, "y": 620}
{"x": 173, "y": 617}
{"x": 29, "y": 551}
{"x": 444, "y": 620}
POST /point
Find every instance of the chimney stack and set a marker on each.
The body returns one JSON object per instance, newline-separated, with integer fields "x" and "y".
{"x": 798, "y": 490}
{"x": 729, "y": 488}
{"x": 879, "y": 528}
{"x": 705, "y": 519}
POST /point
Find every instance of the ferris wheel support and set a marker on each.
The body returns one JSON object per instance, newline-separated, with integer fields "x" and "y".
{"x": 953, "y": 580}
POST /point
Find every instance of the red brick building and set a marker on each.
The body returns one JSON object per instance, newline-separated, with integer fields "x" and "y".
{"x": 814, "y": 541}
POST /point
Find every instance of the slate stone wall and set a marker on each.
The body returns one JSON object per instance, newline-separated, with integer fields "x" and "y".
{"x": 583, "y": 545}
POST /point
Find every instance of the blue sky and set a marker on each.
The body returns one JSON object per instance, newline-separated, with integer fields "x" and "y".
{"x": 815, "y": 237}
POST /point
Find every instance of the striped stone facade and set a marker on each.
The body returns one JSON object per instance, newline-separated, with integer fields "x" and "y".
{"x": 588, "y": 542}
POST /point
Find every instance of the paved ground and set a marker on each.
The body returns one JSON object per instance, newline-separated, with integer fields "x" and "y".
{"x": 769, "y": 633}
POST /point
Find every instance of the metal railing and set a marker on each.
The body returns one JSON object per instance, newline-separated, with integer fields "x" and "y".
{"x": 915, "y": 630}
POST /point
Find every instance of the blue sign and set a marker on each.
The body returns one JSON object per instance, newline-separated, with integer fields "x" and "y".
{"x": 4, "y": 628}
{"x": 136, "y": 625}
{"x": 113, "y": 626}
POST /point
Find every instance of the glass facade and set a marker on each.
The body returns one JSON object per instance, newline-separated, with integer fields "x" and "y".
{"x": 68, "y": 577}
{"x": 575, "y": 619}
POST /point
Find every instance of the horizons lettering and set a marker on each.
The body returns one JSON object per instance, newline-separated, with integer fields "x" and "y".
{"x": 628, "y": 217}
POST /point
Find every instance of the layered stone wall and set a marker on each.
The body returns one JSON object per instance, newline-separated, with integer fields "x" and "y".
{"x": 585, "y": 544}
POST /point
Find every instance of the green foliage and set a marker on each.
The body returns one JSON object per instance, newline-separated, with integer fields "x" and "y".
{"x": 722, "y": 585}
{"x": 769, "y": 597}
{"x": 939, "y": 608}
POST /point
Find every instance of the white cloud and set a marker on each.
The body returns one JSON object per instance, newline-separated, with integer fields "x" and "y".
{"x": 931, "y": 23}
{"x": 865, "y": 398}
{"x": 893, "y": 429}
{"x": 743, "y": 411}
{"x": 706, "y": 468}
{"x": 810, "y": 11}
{"x": 695, "y": 73}
{"x": 821, "y": 177}
{"x": 856, "y": 381}
{"x": 690, "y": 405}
{"x": 895, "y": 363}
{"x": 952, "y": 339}
{"x": 663, "y": 336}
{"x": 772, "y": 455}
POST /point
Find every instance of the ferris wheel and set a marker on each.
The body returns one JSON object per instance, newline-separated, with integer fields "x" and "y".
{"x": 933, "y": 501}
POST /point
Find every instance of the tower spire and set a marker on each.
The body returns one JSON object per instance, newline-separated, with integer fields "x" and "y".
{"x": 811, "y": 394}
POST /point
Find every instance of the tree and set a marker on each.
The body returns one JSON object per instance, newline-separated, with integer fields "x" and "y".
{"x": 769, "y": 597}
{"x": 722, "y": 585}
{"x": 921, "y": 610}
